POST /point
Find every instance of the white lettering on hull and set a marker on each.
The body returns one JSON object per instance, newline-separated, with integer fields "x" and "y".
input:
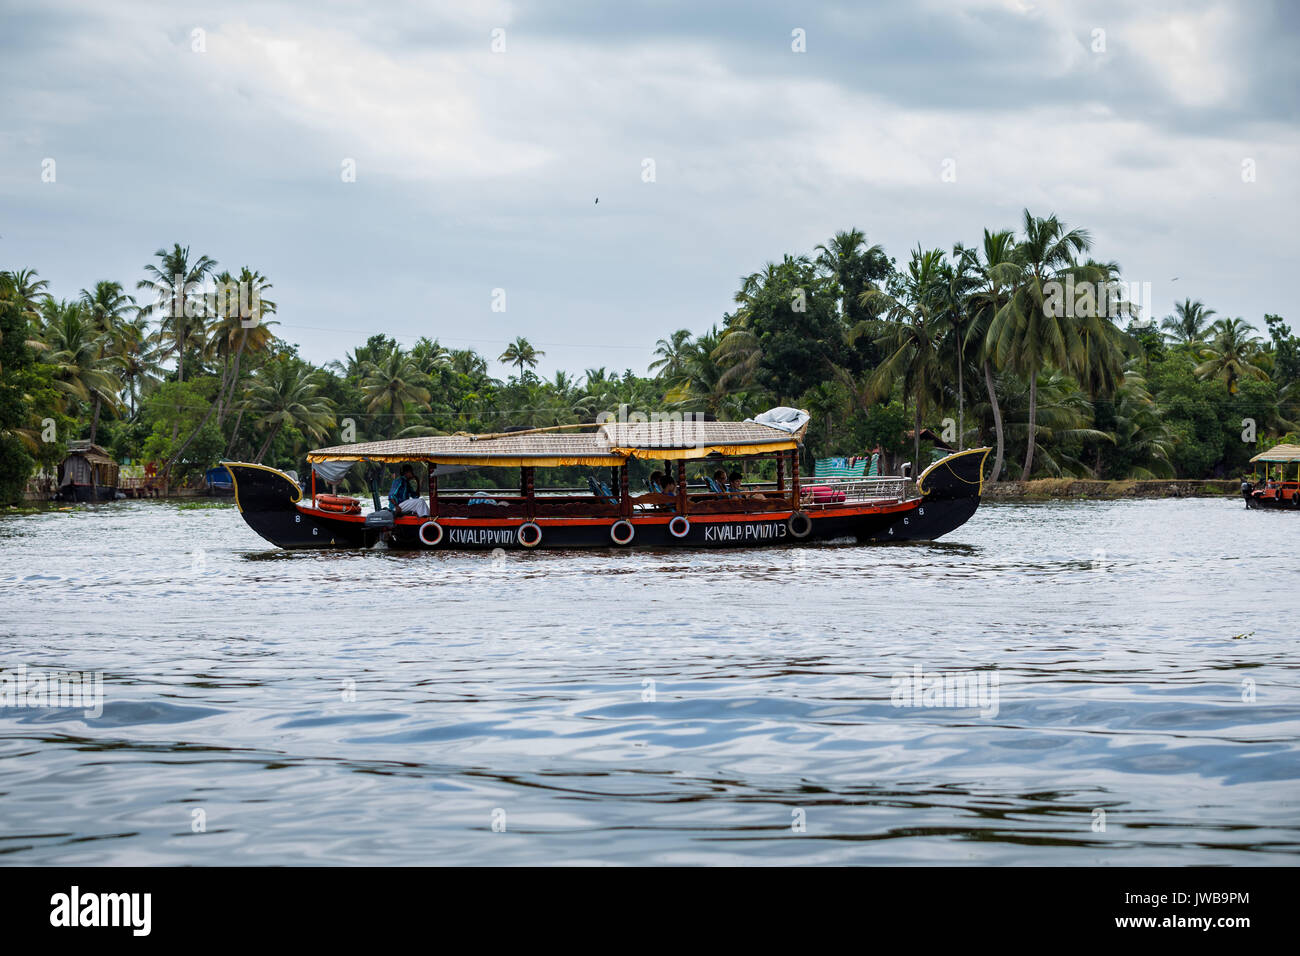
{"x": 494, "y": 537}
{"x": 748, "y": 531}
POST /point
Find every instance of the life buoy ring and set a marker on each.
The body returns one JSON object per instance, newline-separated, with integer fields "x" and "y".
{"x": 622, "y": 531}
{"x": 429, "y": 527}
{"x": 529, "y": 530}
{"x": 340, "y": 504}
{"x": 800, "y": 525}
{"x": 679, "y": 527}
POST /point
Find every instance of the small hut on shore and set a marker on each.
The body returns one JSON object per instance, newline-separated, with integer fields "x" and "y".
{"x": 88, "y": 473}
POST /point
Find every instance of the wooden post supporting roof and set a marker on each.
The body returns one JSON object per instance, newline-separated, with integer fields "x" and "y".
{"x": 681, "y": 487}
{"x": 794, "y": 480}
{"x": 526, "y": 490}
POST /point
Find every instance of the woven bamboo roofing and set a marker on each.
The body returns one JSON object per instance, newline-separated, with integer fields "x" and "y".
{"x": 610, "y": 444}
{"x": 1280, "y": 453}
{"x": 697, "y": 439}
{"x": 521, "y": 449}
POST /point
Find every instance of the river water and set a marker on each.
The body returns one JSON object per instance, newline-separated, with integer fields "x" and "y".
{"x": 1129, "y": 672}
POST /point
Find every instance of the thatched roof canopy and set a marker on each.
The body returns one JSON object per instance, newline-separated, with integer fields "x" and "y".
{"x": 611, "y": 443}
{"x": 1286, "y": 454}
{"x": 540, "y": 451}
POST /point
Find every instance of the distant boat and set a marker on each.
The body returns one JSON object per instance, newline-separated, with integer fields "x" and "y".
{"x": 1271, "y": 491}
{"x": 218, "y": 481}
{"x": 88, "y": 473}
{"x": 785, "y": 512}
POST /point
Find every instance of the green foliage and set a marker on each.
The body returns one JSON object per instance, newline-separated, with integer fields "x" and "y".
{"x": 173, "y": 413}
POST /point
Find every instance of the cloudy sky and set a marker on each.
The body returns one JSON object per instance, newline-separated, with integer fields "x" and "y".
{"x": 1169, "y": 130}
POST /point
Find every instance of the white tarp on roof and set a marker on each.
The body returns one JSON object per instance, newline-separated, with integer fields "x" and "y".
{"x": 787, "y": 419}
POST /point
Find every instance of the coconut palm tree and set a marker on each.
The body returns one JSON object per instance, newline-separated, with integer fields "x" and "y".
{"x": 107, "y": 305}
{"x": 911, "y": 332}
{"x": 393, "y": 381}
{"x": 234, "y": 333}
{"x": 288, "y": 393}
{"x": 1188, "y": 323}
{"x": 1027, "y": 333}
{"x": 1140, "y": 430}
{"x": 998, "y": 274}
{"x": 959, "y": 280}
{"x": 1233, "y": 353}
{"x": 139, "y": 357}
{"x": 520, "y": 353}
{"x": 176, "y": 282}
{"x": 671, "y": 352}
{"x": 855, "y": 268}
{"x": 84, "y": 368}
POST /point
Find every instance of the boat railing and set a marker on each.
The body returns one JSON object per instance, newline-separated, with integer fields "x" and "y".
{"x": 891, "y": 488}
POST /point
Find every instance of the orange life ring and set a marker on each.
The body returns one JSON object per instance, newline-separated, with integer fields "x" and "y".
{"x": 340, "y": 504}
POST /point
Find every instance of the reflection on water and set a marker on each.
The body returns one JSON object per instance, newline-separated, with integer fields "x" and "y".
{"x": 672, "y": 707}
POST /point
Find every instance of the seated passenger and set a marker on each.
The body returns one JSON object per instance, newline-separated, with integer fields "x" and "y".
{"x": 656, "y": 482}
{"x": 404, "y": 497}
{"x": 669, "y": 486}
{"x": 733, "y": 483}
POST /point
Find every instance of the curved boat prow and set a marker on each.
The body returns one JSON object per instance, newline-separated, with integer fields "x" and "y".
{"x": 267, "y": 499}
{"x": 950, "y": 489}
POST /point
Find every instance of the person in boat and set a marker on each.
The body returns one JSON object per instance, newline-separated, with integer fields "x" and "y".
{"x": 657, "y": 482}
{"x": 404, "y": 497}
{"x": 733, "y": 483}
{"x": 668, "y": 486}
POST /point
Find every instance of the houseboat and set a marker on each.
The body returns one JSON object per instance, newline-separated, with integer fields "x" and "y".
{"x": 88, "y": 473}
{"x": 1274, "y": 490}
{"x": 670, "y": 513}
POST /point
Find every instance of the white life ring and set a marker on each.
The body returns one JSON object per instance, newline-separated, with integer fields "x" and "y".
{"x": 426, "y": 529}
{"x": 529, "y": 526}
{"x": 622, "y": 524}
{"x": 684, "y": 525}
{"x": 805, "y": 523}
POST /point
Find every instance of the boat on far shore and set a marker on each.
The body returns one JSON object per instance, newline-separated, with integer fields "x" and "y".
{"x": 1274, "y": 491}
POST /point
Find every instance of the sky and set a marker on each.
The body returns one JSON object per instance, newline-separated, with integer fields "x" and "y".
{"x": 716, "y": 136}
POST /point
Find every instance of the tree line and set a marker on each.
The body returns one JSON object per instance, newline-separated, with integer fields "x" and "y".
{"x": 1023, "y": 342}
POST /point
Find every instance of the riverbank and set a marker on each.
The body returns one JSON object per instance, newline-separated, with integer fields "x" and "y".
{"x": 1064, "y": 489}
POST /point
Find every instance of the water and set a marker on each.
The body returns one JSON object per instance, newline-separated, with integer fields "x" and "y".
{"x": 676, "y": 707}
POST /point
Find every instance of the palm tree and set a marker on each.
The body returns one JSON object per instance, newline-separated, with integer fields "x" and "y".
{"x": 855, "y": 269}
{"x": 520, "y": 353}
{"x": 1025, "y": 334}
{"x": 107, "y": 305}
{"x": 998, "y": 274}
{"x": 672, "y": 354}
{"x": 288, "y": 393}
{"x": 1187, "y": 324}
{"x": 958, "y": 282}
{"x": 1232, "y": 354}
{"x": 1140, "y": 431}
{"x": 175, "y": 267}
{"x": 911, "y": 335}
{"x": 393, "y": 381}
{"x": 234, "y": 333}
{"x": 138, "y": 355}
{"x": 84, "y": 371}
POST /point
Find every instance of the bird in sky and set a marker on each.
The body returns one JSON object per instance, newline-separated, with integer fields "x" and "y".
{"x": 597, "y": 202}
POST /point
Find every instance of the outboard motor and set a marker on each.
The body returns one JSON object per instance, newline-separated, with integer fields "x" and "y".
{"x": 381, "y": 519}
